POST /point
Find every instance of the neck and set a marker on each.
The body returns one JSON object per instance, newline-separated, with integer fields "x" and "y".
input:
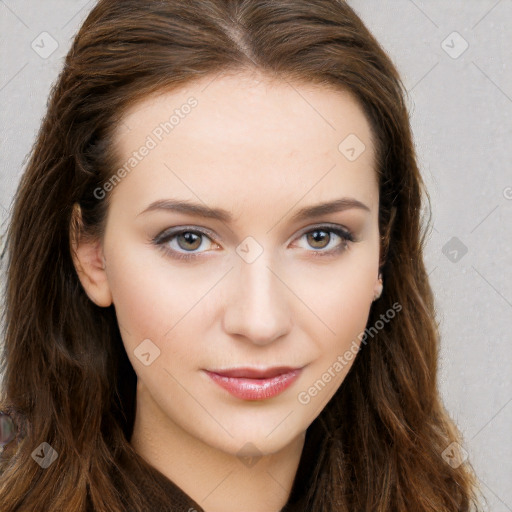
{"x": 215, "y": 480}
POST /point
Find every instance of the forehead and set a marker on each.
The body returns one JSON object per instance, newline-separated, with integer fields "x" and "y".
{"x": 239, "y": 135}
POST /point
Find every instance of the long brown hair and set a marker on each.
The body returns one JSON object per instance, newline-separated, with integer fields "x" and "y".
{"x": 67, "y": 380}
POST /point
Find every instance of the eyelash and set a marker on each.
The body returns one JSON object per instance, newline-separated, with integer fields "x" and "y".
{"x": 164, "y": 237}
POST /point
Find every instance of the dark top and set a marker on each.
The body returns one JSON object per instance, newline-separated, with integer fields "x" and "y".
{"x": 168, "y": 497}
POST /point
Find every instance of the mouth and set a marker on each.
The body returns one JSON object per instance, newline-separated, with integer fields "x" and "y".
{"x": 253, "y": 383}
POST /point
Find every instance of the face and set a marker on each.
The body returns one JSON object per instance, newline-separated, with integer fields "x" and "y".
{"x": 239, "y": 314}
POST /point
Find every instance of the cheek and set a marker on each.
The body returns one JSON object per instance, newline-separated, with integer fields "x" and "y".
{"x": 143, "y": 309}
{"x": 139, "y": 305}
{"x": 347, "y": 310}
{"x": 340, "y": 298}
{"x": 154, "y": 302}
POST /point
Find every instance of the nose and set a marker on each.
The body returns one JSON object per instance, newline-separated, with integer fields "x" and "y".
{"x": 257, "y": 306}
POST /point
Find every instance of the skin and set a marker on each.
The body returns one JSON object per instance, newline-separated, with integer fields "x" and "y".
{"x": 262, "y": 150}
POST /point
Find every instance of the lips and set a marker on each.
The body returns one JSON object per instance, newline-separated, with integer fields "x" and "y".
{"x": 255, "y": 384}
{"x": 253, "y": 373}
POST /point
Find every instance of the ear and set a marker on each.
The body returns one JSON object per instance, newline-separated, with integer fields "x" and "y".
{"x": 89, "y": 262}
{"x": 377, "y": 289}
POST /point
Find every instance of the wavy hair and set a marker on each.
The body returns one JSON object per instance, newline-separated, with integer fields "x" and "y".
{"x": 66, "y": 378}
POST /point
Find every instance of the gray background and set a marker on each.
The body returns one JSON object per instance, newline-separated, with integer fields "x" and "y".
{"x": 461, "y": 113}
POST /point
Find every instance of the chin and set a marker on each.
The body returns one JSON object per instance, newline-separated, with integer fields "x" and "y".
{"x": 258, "y": 438}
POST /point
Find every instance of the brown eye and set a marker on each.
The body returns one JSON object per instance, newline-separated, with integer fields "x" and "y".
{"x": 189, "y": 240}
{"x": 327, "y": 240}
{"x": 318, "y": 239}
{"x": 184, "y": 243}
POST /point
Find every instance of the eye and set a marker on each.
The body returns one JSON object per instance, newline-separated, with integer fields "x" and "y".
{"x": 328, "y": 240}
{"x": 183, "y": 243}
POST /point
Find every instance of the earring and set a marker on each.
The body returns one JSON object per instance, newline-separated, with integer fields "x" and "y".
{"x": 8, "y": 429}
{"x": 378, "y": 288}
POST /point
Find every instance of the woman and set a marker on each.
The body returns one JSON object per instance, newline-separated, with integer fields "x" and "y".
{"x": 216, "y": 296}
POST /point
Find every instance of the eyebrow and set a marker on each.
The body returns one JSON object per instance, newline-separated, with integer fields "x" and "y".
{"x": 201, "y": 210}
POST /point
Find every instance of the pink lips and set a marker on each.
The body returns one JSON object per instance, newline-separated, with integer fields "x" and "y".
{"x": 253, "y": 384}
